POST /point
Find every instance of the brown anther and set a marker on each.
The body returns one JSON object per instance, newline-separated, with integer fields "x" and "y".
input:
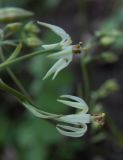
{"x": 99, "y": 118}
{"x": 77, "y": 48}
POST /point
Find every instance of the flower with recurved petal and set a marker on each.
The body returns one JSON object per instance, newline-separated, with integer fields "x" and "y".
{"x": 76, "y": 123}
{"x": 62, "y": 51}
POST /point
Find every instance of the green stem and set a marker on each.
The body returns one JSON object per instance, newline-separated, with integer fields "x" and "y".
{"x": 12, "y": 75}
{"x": 18, "y": 83}
{"x": 86, "y": 83}
{"x": 82, "y": 5}
{"x": 7, "y": 63}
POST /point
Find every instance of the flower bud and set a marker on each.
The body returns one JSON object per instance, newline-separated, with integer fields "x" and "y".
{"x": 11, "y": 14}
{"x": 109, "y": 57}
{"x": 33, "y": 41}
{"x": 13, "y": 27}
{"x": 107, "y": 40}
{"x": 107, "y": 88}
{"x": 31, "y": 27}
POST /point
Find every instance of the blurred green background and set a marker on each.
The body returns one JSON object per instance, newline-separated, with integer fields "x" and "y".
{"x": 24, "y": 137}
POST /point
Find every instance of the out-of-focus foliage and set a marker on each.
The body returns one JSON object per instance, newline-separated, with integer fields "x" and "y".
{"x": 24, "y": 137}
{"x": 30, "y": 138}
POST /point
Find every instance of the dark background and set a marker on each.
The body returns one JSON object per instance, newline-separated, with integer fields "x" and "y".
{"x": 25, "y": 137}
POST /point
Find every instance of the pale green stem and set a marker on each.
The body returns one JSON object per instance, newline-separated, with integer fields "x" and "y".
{"x": 86, "y": 83}
{"x": 7, "y": 63}
{"x": 12, "y": 75}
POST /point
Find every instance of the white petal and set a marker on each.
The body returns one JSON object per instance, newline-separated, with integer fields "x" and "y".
{"x": 64, "y": 64}
{"x": 71, "y": 131}
{"x": 57, "y": 67}
{"x": 54, "y": 68}
{"x": 80, "y": 103}
{"x": 51, "y": 46}
{"x": 66, "y": 39}
{"x": 71, "y": 104}
{"x": 63, "y": 53}
{"x": 76, "y": 118}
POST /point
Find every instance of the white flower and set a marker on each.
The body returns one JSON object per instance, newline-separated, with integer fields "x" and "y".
{"x": 64, "y": 58}
{"x": 73, "y": 125}
{"x": 63, "y": 50}
{"x": 76, "y": 123}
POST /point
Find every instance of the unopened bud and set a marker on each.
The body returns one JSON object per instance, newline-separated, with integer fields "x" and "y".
{"x": 109, "y": 57}
{"x": 33, "y": 41}
{"x": 11, "y": 14}
{"x": 31, "y": 27}
{"x": 107, "y": 40}
{"x": 13, "y": 27}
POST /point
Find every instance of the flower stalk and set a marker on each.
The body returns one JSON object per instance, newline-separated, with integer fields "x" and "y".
{"x": 72, "y": 125}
